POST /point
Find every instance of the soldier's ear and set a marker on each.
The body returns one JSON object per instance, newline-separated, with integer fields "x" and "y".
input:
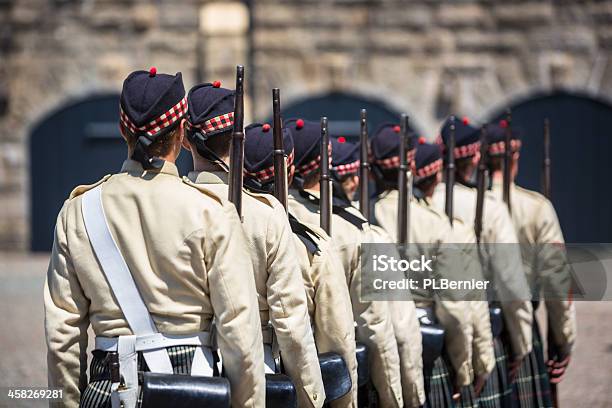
{"x": 476, "y": 159}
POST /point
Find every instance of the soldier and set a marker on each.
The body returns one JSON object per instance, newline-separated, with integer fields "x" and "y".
{"x": 501, "y": 263}
{"x": 541, "y": 239}
{"x": 349, "y": 231}
{"x": 428, "y": 174}
{"x": 144, "y": 250}
{"x": 345, "y": 167}
{"x": 429, "y": 234}
{"x": 329, "y": 304}
{"x": 282, "y": 301}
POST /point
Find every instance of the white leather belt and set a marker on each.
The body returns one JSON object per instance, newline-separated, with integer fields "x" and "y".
{"x": 157, "y": 341}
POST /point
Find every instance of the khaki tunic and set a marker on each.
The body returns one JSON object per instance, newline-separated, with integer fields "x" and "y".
{"x": 329, "y": 305}
{"x": 280, "y": 290}
{"x": 429, "y": 230}
{"x": 373, "y": 320}
{"x": 503, "y": 263}
{"x": 409, "y": 341}
{"x": 537, "y": 227}
{"x": 188, "y": 256}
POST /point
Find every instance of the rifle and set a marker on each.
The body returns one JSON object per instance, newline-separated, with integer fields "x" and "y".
{"x": 546, "y": 189}
{"x": 325, "y": 180}
{"x": 404, "y": 181}
{"x": 546, "y": 162}
{"x": 507, "y": 160}
{"x": 364, "y": 168}
{"x": 280, "y": 165}
{"x": 450, "y": 170}
{"x": 237, "y": 144}
{"x": 481, "y": 177}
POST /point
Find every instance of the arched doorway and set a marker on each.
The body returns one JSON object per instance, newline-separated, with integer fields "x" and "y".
{"x": 76, "y": 144}
{"x": 342, "y": 110}
{"x": 581, "y": 144}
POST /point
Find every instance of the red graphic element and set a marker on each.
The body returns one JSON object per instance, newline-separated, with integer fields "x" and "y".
{"x": 266, "y": 127}
{"x": 217, "y": 84}
{"x": 299, "y": 124}
{"x": 152, "y": 71}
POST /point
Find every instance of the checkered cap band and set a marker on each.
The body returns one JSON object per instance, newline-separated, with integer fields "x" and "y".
{"x": 268, "y": 173}
{"x": 500, "y": 147}
{"x": 343, "y": 169}
{"x": 217, "y": 123}
{"x": 312, "y": 165}
{"x": 393, "y": 162}
{"x": 156, "y": 125}
{"x": 466, "y": 150}
{"x": 430, "y": 169}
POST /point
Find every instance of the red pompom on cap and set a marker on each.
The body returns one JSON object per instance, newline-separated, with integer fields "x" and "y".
{"x": 465, "y": 120}
{"x": 299, "y": 124}
{"x": 397, "y": 128}
{"x": 217, "y": 84}
{"x": 152, "y": 71}
{"x": 422, "y": 140}
{"x": 342, "y": 139}
{"x": 266, "y": 127}
{"x": 503, "y": 123}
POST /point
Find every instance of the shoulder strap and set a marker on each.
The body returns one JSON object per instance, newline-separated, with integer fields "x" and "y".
{"x": 338, "y": 208}
{"x": 305, "y": 234}
{"x": 119, "y": 277}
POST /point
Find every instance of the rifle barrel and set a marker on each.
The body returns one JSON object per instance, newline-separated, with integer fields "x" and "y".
{"x": 404, "y": 184}
{"x": 280, "y": 164}
{"x": 364, "y": 167}
{"x": 507, "y": 159}
{"x": 547, "y": 162}
{"x": 237, "y": 144}
{"x": 325, "y": 180}
{"x": 481, "y": 177}
{"x": 450, "y": 171}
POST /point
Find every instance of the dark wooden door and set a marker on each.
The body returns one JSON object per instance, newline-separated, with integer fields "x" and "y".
{"x": 581, "y": 151}
{"x": 77, "y": 144}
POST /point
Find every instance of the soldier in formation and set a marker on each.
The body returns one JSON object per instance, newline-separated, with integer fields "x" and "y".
{"x": 195, "y": 298}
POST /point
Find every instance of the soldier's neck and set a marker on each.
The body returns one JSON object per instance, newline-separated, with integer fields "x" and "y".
{"x": 497, "y": 176}
{"x": 201, "y": 164}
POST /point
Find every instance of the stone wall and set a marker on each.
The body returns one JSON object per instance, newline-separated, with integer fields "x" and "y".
{"x": 426, "y": 57}
{"x": 431, "y": 57}
{"x": 53, "y": 51}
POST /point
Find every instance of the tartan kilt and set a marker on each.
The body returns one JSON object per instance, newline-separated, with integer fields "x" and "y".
{"x": 531, "y": 389}
{"x": 468, "y": 398}
{"x": 438, "y": 385}
{"x": 97, "y": 394}
{"x": 497, "y": 392}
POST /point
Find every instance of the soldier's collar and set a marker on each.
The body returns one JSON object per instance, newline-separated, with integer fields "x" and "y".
{"x": 134, "y": 167}
{"x": 208, "y": 177}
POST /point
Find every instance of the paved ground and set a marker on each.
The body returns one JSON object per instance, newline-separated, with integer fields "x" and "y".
{"x": 23, "y": 361}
